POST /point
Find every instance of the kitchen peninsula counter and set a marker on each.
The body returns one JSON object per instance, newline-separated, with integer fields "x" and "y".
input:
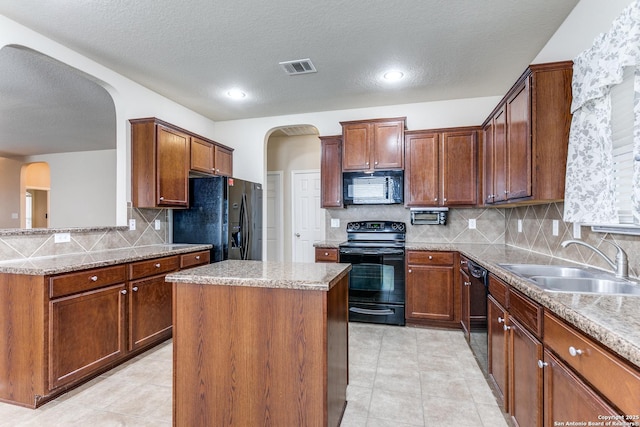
{"x": 259, "y": 343}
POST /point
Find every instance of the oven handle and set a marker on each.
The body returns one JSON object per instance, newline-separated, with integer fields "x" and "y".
{"x": 384, "y": 251}
{"x": 383, "y": 312}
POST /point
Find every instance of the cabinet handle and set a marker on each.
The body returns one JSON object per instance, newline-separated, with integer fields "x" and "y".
{"x": 157, "y": 265}
{"x": 463, "y": 262}
{"x": 542, "y": 364}
{"x": 435, "y": 200}
{"x": 375, "y": 163}
{"x": 430, "y": 257}
{"x": 506, "y": 191}
{"x": 444, "y": 200}
{"x": 197, "y": 256}
{"x": 161, "y": 198}
{"x": 93, "y": 278}
{"x": 467, "y": 283}
{"x": 500, "y": 319}
{"x": 575, "y": 351}
{"x": 338, "y": 201}
{"x": 326, "y": 254}
{"x": 410, "y": 270}
{"x": 123, "y": 292}
{"x": 367, "y": 163}
{"x": 506, "y": 328}
{"x": 135, "y": 289}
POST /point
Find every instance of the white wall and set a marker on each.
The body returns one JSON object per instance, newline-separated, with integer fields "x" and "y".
{"x": 131, "y": 101}
{"x": 78, "y": 202}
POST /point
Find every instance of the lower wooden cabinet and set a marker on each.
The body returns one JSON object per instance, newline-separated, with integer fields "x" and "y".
{"x": 525, "y": 376}
{"x": 432, "y": 297}
{"x": 498, "y": 350}
{"x": 149, "y": 312}
{"x": 86, "y": 333}
{"x": 567, "y": 397}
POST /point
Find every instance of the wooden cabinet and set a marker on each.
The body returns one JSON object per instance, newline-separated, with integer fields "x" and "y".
{"x": 327, "y": 255}
{"x": 432, "y": 296}
{"x": 609, "y": 376}
{"x": 86, "y": 332}
{"x": 162, "y": 156}
{"x": 514, "y": 330}
{"x": 331, "y": 172}
{"x": 376, "y": 144}
{"x": 150, "y": 299}
{"x": 567, "y": 397}
{"x": 195, "y": 259}
{"x": 441, "y": 167}
{"x": 73, "y": 326}
{"x": 526, "y": 138}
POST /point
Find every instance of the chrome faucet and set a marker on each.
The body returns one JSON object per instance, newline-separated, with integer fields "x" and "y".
{"x": 621, "y": 266}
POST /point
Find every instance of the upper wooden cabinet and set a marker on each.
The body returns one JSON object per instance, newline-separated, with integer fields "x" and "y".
{"x": 163, "y": 155}
{"x": 526, "y": 138}
{"x": 331, "y": 171}
{"x": 373, "y": 144}
{"x": 441, "y": 167}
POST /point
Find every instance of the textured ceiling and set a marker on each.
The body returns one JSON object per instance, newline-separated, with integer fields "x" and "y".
{"x": 194, "y": 51}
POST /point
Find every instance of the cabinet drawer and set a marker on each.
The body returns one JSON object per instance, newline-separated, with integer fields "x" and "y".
{"x": 613, "y": 377}
{"x": 81, "y": 281}
{"x": 326, "y": 255}
{"x": 430, "y": 258}
{"x": 150, "y": 267}
{"x": 526, "y": 311}
{"x": 194, "y": 259}
{"x": 498, "y": 289}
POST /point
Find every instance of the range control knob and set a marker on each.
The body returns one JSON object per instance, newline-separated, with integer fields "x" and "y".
{"x": 398, "y": 226}
{"x": 355, "y": 225}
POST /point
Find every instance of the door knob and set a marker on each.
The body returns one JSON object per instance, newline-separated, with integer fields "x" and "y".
{"x": 297, "y": 234}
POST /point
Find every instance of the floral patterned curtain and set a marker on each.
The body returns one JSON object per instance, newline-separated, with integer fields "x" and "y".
{"x": 589, "y": 187}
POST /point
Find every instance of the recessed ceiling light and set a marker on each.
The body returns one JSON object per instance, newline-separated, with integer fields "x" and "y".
{"x": 236, "y": 94}
{"x": 393, "y": 75}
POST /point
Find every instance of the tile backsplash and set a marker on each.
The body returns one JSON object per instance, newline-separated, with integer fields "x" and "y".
{"x": 489, "y": 224}
{"x": 35, "y": 243}
{"x": 537, "y": 235}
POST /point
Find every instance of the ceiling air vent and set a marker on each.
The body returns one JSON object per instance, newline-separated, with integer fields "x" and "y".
{"x": 299, "y": 66}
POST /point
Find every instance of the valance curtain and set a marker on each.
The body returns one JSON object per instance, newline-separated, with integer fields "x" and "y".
{"x": 589, "y": 187}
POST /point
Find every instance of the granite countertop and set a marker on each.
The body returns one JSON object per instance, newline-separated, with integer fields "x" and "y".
{"x": 612, "y": 320}
{"x": 56, "y": 264}
{"x": 265, "y": 274}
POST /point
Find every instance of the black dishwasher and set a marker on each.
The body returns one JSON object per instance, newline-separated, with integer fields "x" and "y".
{"x": 479, "y": 278}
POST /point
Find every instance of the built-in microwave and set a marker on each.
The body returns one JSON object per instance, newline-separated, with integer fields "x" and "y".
{"x": 373, "y": 188}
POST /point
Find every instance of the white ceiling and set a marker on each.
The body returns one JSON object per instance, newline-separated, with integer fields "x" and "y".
{"x": 194, "y": 51}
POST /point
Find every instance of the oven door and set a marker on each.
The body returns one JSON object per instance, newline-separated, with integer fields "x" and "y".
{"x": 377, "y": 274}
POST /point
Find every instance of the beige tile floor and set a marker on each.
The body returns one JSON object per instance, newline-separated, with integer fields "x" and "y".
{"x": 398, "y": 377}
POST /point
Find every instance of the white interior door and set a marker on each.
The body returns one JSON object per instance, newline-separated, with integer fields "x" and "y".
{"x": 274, "y": 217}
{"x": 308, "y": 217}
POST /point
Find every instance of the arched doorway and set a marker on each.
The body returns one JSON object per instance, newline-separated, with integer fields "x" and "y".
{"x": 35, "y": 184}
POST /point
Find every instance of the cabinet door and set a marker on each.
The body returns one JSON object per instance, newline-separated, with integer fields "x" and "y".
{"x": 201, "y": 156}
{"x": 421, "y": 180}
{"x": 430, "y": 293}
{"x": 331, "y": 172}
{"x": 500, "y": 156}
{"x": 525, "y": 379}
{"x": 172, "y": 175}
{"x": 465, "y": 297}
{"x": 566, "y": 397}
{"x": 223, "y": 161}
{"x": 149, "y": 312}
{"x": 519, "y": 143}
{"x": 488, "y": 193}
{"x": 356, "y": 146}
{"x": 86, "y": 333}
{"x": 498, "y": 349}
{"x": 458, "y": 169}
{"x": 388, "y": 145}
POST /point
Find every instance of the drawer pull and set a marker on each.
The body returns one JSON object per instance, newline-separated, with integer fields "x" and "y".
{"x": 135, "y": 289}
{"x": 500, "y": 319}
{"x": 123, "y": 292}
{"x": 157, "y": 265}
{"x": 575, "y": 351}
{"x": 326, "y": 254}
{"x": 467, "y": 283}
{"x": 410, "y": 271}
{"x": 93, "y": 278}
{"x": 197, "y": 257}
{"x": 542, "y": 364}
{"x": 430, "y": 257}
{"x": 463, "y": 262}
{"x": 506, "y": 328}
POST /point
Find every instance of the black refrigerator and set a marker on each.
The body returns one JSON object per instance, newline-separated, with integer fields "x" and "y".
{"x": 224, "y": 212}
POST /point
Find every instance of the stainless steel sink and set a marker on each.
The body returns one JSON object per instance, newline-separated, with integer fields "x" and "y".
{"x": 587, "y": 285}
{"x": 560, "y": 278}
{"x": 530, "y": 270}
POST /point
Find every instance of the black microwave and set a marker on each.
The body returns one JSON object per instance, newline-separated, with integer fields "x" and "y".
{"x": 373, "y": 188}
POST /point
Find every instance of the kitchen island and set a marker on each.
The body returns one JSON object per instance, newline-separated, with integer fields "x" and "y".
{"x": 260, "y": 343}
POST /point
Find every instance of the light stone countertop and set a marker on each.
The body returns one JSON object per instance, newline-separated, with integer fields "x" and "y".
{"x": 56, "y": 264}
{"x": 612, "y": 320}
{"x": 264, "y": 274}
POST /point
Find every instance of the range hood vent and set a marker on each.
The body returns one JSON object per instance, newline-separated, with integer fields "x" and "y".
{"x": 299, "y": 66}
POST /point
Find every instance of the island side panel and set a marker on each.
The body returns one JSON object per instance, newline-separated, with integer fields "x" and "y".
{"x": 337, "y": 350}
{"x": 249, "y": 356}
{"x": 22, "y": 334}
